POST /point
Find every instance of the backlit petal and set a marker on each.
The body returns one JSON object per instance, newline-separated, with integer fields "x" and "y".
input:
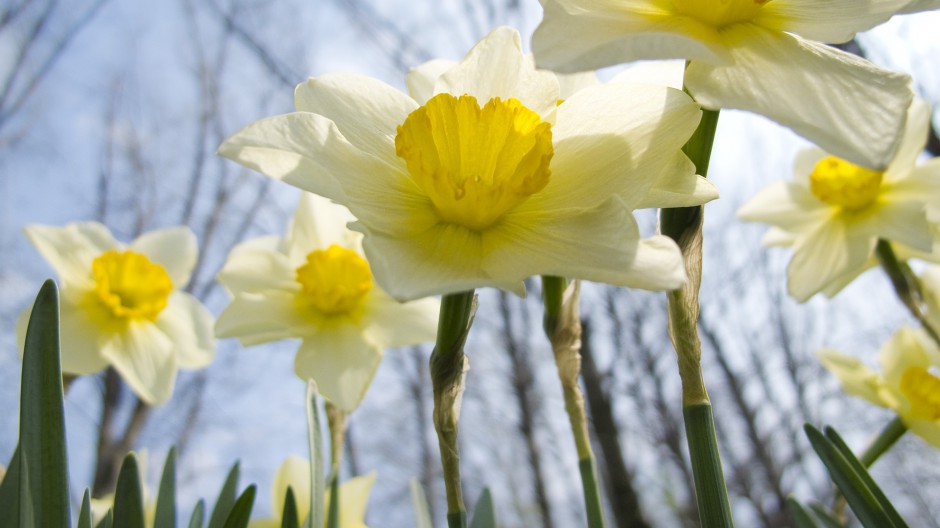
{"x": 823, "y": 255}
{"x": 71, "y": 249}
{"x": 174, "y": 249}
{"x": 144, "y": 357}
{"x": 342, "y": 363}
{"x": 189, "y": 324}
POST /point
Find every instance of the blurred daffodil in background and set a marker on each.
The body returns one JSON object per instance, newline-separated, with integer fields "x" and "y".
{"x": 294, "y": 473}
{"x": 485, "y": 179}
{"x": 122, "y": 305}
{"x": 909, "y": 381}
{"x": 767, "y": 57}
{"x": 315, "y": 284}
{"x": 834, "y": 212}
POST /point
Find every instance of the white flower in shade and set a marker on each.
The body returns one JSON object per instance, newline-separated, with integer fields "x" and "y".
{"x": 490, "y": 180}
{"x": 762, "y": 56}
{"x": 295, "y": 474}
{"x": 908, "y": 382}
{"x": 314, "y": 284}
{"x": 834, "y": 212}
{"x": 122, "y": 305}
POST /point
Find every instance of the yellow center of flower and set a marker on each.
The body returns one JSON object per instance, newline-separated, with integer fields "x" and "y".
{"x": 840, "y": 183}
{"x": 475, "y": 164}
{"x": 923, "y": 390}
{"x": 718, "y": 13}
{"x": 334, "y": 280}
{"x": 130, "y": 285}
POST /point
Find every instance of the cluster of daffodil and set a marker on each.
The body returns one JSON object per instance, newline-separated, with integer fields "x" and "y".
{"x": 492, "y": 170}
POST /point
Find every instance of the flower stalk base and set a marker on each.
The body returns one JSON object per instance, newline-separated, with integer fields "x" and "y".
{"x": 448, "y": 367}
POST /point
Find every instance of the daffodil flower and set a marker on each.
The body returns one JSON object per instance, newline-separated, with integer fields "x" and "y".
{"x": 295, "y": 473}
{"x": 314, "y": 284}
{"x": 489, "y": 180}
{"x": 908, "y": 384}
{"x": 764, "y": 56}
{"x": 122, "y": 305}
{"x": 834, "y": 212}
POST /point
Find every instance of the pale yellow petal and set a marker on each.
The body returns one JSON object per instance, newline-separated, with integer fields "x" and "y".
{"x": 317, "y": 224}
{"x": 903, "y": 351}
{"x": 832, "y": 21}
{"x": 190, "y": 325}
{"x": 70, "y": 250}
{"x": 929, "y": 430}
{"x": 354, "y": 499}
{"x": 788, "y": 206}
{"x": 173, "y": 248}
{"x": 822, "y": 256}
{"x": 904, "y": 222}
{"x": 679, "y": 186}
{"x": 366, "y": 111}
{"x": 261, "y": 318}
{"x": 342, "y": 363}
{"x": 856, "y": 378}
{"x": 144, "y": 357}
{"x": 294, "y": 472}
{"x": 855, "y": 110}
{"x": 253, "y": 268}
{"x": 422, "y": 79}
{"x": 79, "y": 338}
{"x": 393, "y": 324}
{"x": 913, "y": 141}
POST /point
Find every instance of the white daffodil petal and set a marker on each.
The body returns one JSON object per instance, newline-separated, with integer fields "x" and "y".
{"x": 294, "y": 473}
{"x": 913, "y": 141}
{"x": 496, "y": 67}
{"x": 904, "y": 222}
{"x": 341, "y": 362}
{"x": 832, "y": 21}
{"x": 318, "y": 224}
{"x": 778, "y": 237}
{"x": 144, "y": 357}
{"x": 837, "y": 284}
{"x": 394, "y": 324}
{"x": 679, "y": 186}
{"x": 920, "y": 184}
{"x": 303, "y": 149}
{"x": 366, "y": 111}
{"x": 80, "y": 351}
{"x": 662, "y": 72}
{"x": 255, "y": 269}
{"x": 542, "y": 245}
{"x": 421, "y": 80}
{"x": 189, "y": 324}
{"x": 915, "y": 6}
{"x": 444, "y": 259}
{"x": 174, "y": 249}
{"x": 610, "y": 138}
{"x": 785, "y": 205}
{"x": 824, "y": 255}
{"x": 571, "y": 83}
{"x": 70, "y": 250}
{"x": 581, "y": 35}
{"x": 855, "y": 109}
{"x": 856, "y": 378}
{"x": 256, "y": 319}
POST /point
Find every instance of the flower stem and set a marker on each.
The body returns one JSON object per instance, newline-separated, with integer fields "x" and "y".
{"x": 336, "y": 419}
{"x": 885, "y": 439}
{"x": 906, "y": 285}
{"x": 448, "y": 368}
{"x": 562, "y": 325}
{"x": 684, "y": 225}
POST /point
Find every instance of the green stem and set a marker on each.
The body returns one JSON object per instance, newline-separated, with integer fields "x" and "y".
{"x": 885, "y": 439}
{"x": 562, "y": 325}
{"x": 710, "y": 491}
{"x": 684, "y": 225}
{"x": 448, "y": 368}
{"x": 332, "y": 516}
{"x": 906, "y": 285}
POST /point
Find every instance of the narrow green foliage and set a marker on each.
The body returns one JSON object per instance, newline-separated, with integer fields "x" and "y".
{"x": 84, "y": 514}
{"x": 10, "y": 492}
{"x": 42, "y": 420}
{"x": 166, "y": 497}
{"x": 332, "y": 519}
{"x": 223, "y": 505}
{"x": 419, "y": 502}
{"x": 484, "y": 514}
{"x": 317, "y": 470}
{"x": 25, "y": 517}
{"x": 289, "y": 516}
{"x": 864, "y": 476}
{"x": 240, "y": 513}
{"x": 869, "y": 510}
{"x": 128, "y": 497}
{"x": 825, "y": 517}
{"x": 801, "y": 517}
{"x": 198, "y": 517}
{"x": 107, "y": 521}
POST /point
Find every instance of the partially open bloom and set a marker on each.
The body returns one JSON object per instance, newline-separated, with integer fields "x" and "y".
{"x": 489, "y": 180}
{"x": 122, "y": 305}
{"x": 834, "y": 212}
{"x": 909, "y": 382}
{"x": 295, "y": 473}
{"x": 765, "y": 56}
{"x": 314, "y": 284}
